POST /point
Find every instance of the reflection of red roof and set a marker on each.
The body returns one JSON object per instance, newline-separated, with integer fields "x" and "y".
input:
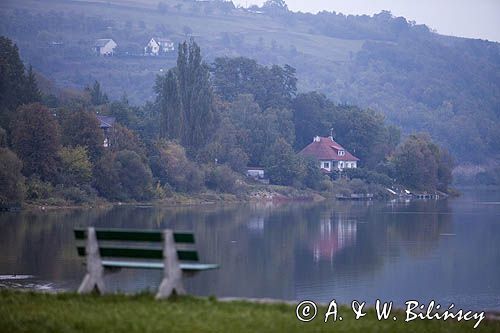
{"x": 327, "y": 149}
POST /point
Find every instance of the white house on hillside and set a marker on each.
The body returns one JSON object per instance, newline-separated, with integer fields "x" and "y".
{"x": 159, "y": 46}
{"x": 105, "y": 47}
{"x": 330, "y": 155}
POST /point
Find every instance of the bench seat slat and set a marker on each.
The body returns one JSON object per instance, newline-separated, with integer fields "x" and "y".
{"x": 156, "y": 265}
{"x": 134, "y": 235}
{"x": 139, "y": 253}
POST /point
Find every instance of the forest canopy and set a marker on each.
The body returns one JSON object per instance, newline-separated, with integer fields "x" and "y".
{"x": 420, "y": 80}
{"x": 196, "y": 136}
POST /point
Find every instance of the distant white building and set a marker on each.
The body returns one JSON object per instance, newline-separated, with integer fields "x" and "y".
{"x": 105, "y": 47}
{"x": 159, "y": 46}
{"x": 255, "y": 172}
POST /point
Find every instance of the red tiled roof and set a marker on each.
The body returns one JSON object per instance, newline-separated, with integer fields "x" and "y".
{"x": 327, "y": 149}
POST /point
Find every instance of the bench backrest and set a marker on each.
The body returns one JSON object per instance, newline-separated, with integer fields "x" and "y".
{"x": 113, "y": 243}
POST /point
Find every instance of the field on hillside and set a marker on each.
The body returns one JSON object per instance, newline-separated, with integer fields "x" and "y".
{"x": 246, "y": 34}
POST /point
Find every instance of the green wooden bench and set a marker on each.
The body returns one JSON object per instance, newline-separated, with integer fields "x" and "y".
{"x": 114, "y": 249}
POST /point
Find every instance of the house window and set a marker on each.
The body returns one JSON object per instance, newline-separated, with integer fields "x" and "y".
{"x": 341, "y": 152}
{"x": 326, "y": 165}
{"x": 341, "y": 164}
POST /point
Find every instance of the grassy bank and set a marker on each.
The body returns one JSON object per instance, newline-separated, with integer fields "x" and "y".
{"x": 251, "y": 193}
{"x": 29, "y": 312}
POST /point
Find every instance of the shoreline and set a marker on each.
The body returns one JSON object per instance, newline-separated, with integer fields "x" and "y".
{"x": 202, "y": 199}
{"x": 256, "y": 193}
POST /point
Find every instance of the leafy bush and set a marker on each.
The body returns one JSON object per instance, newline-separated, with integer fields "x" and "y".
{"x": 123, "y": 176}
{"x": 76, "y": 168}
{"x": 423, "y": 165}
{"x": 171, "y": 166}
{"x": 75, "y": 195}
{"x": 135, "y": 176}
{"x": 314, "y": 177}
{"x": 37, "y": 189}
{"x": 222, "y": 178}
{"x": 370, "y": 177}
{"x": 11, "y": 180}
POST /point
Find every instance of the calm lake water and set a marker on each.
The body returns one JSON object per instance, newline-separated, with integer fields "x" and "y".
{"x": 446, "y": 250}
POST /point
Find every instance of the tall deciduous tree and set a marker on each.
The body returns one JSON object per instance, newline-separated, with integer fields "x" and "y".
{"x": 36, "y": 140}
{"x": 186, "y": 100}
{"x": 97, "y": 96}
{"x": 172, "y": 115}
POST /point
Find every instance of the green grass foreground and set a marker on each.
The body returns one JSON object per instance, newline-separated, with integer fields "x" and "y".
{"x": 35, "y": 312}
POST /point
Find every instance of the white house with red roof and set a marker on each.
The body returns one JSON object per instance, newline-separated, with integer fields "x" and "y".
{"x": 331, "y": 155}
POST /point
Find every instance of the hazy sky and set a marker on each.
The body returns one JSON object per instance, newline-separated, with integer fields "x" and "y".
{"x": 466, "y": 18}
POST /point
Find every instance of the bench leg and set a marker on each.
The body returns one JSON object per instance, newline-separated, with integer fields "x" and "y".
{"x": 172, "y": 274}
{"x": 93, "y": 280}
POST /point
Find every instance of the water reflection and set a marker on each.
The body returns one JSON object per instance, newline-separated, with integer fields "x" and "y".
{"x": 344, "y": 250}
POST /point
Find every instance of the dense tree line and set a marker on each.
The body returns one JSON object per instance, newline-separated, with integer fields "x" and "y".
{"x": 207, "y": 124}
{"x": 419, "y": 80}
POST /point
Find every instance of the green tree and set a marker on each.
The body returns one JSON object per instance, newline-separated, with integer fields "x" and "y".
{"x": 227, "y": 147}
{"x": 32, "y": 92}
{"x": 106, "y": 179}
{"x": 312, "y": 116}
{"x": 12, "y": 188}
{"x": 271, "y": 87}
{"x": 134, "y": 175}
{"x": 187, "y": 104}
{"x": 259, "y": 130}
{"x": 124, "y": 113}
{"x": 36, "y": 140}
{"x": 123, "y": 176}
{"x": 81, "y": 128}
{"x": 172, "y": 167}
{"x": 282, "y": 165}
{"x": 76, "y": 168}
{"x": 421, "y": 164}
{"x": 15, "y": 87}
{"x": 97, "y": 96}
{"x": 3, "y": 138}
{"x": 123, "y": 138}
{"x": 275, "y": 6}
{"x": 314, "y": 177}
{"x": 169, "y": 101}
{"x": 222, "y": 178}
{"x": 363, "y": 132}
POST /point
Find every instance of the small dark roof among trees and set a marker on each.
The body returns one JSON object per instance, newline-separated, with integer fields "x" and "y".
{"x": 106, "y": 121}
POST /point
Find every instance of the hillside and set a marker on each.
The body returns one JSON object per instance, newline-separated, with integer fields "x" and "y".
{"x": 420, "y": 80}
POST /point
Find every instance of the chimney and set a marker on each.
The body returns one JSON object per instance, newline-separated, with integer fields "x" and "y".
{"x": 316, "y": 139}
{"x": 331, "y": 134}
